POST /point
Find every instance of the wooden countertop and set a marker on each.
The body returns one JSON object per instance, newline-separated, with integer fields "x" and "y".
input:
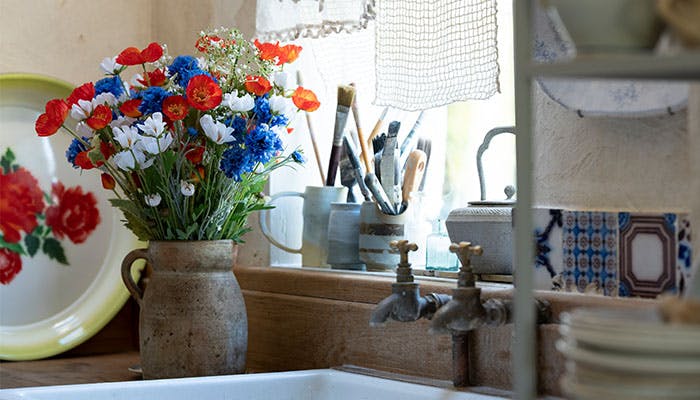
{"x": 69, "y": 370}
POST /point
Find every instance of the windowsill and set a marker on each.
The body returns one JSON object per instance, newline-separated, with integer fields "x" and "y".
{"x": 371, "y": 288}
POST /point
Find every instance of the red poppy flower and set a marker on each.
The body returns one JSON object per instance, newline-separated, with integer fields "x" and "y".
{"x": 136, "y": 179}
{"x": 56, "y": 113}
{"x": 203, "y": 93}
{"x": 194, "y": 154}
{"x": 305, "y": 99}
{"x": 21, "y": 200}
{"x": 134, "y": 56}
{"x": 108, "y": 181}
{"x": 288, "y": 54}
{"x": 268, "y": 51}
{"x": 198, "y": 174}
{"x": 101, "y": 116}
{"x": 155, "y": 78}
{"x": 10, "y": 265}
{"x": 107, "y": 150}
{"x": 82, "y": 160}
{"x": 74, "y": 214}
{"x": 257, "y": 85}
{"x": 85, "y": 91}
{"x": 204, "y": 43}
{"x": 130, "y": 108}
{"x": 175, "y": 108}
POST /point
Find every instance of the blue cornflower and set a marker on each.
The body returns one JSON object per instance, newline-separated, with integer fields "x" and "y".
{"x": 263, "y": 143}
{"x": 279, "y": 120}
{"x": 76, "y": 146}
{"x": 236, "y": 161}
{"x": 191, "y": 131}
{"x": 298, "y": 157}
{"x": 111, "y": 84}
{"x": 152, "y": 99}
{"x": 185, "y": 67}
{"x": 239, "y": 127}
{"x": 262, "y": 109}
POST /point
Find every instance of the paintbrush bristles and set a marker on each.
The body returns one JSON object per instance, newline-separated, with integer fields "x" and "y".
{"x": 346, "y": 94}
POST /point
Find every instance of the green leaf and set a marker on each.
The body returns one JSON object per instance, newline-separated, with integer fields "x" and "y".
{"x": 13, "y": 247}
{"x": 7, "y": 160}
{"x": 54, "y": 250}
{"x": 32, "y": 242}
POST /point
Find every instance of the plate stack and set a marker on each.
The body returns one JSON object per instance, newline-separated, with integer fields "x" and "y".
{"x": 628, "y": 354}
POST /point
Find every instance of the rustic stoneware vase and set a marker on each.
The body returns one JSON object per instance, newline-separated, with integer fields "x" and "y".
{"x": 193, "y": 318}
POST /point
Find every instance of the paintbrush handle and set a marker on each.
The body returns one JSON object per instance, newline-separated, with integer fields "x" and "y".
{"x": 333, "y": 163}
{"x": 415, "y": 168}
{"x": 379, "y": 195}
{"x": 317, "y": 153}
{"x": 360, "y": 135}
{"x": 377, "y": 126}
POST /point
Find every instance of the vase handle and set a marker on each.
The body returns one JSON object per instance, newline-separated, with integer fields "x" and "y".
{"x": 133, "y": 288}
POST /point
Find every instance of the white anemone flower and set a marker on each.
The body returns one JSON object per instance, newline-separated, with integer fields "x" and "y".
{"x": 110, "y": 65}
{"x": 129, "y": 160}
{"x": 84, "y": 129}
{"x": 126, "y": 136}
{"x": 216, "y": 131}
{"x": 282, "y": 105}
{"x": 81, "y": 110}
{"x": 239, "y": 104}
{"x": 282, "y": 80}
{"x": 187, "y": 188}
{"x": 152, "y": 199}
{"x": 104, "y": 98}
{"x": 121, "y": 121}
{"x": 155, "y": 145}
{"x": 153, "y": 125}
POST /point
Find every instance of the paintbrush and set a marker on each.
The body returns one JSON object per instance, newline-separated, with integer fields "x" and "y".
{"x": 415, "y": 168}
{"x": 356, "y": 169}
{"x": 424, "y": 144}
{"x": 378, "y": 193}
{"x": 390, "y": 172}
{"x": 345, "y": 96}
{"x": 407, "y": 144}
{"x": 377, "y": 126}
{"x": 360, "y": 134}
{"x": 300, "y": 81}
{"x": 347, "y": 173}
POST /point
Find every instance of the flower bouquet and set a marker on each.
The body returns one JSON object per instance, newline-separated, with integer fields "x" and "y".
{"x": 186, "y": 144}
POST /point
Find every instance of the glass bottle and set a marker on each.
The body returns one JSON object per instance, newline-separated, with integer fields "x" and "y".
{"x": 437, "y": 252}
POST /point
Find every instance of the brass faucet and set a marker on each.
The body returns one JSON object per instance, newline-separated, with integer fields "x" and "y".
{"x": 405, "y": 303}
{"x": 458, "y": 314}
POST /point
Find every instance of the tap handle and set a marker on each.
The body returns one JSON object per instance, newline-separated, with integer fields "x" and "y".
{"x": 464, "y": 251}
{"x": 403, "y": 247}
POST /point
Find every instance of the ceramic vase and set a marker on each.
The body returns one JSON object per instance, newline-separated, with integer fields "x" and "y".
{"x": 193, "y": 318}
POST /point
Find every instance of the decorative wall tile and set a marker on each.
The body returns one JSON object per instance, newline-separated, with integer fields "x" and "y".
{"x": 685, "y": 252}
{"x": 648, "y": 254}
{"x": 548, "y": 257}
{"x": 589, "y": 241}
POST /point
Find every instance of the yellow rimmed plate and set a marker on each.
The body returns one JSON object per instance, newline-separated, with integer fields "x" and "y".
{"x": 60, "y": 280}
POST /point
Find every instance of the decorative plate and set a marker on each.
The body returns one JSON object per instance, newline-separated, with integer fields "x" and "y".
{"x": 61, "y": 243}
{"x": 600, "y": 97}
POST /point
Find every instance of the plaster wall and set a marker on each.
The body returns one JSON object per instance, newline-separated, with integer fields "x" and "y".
{"x": 640, "y": 164}
{"x": 68, "y": 39}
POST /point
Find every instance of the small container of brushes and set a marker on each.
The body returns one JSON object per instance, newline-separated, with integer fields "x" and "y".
{"x": 377, "y": 230}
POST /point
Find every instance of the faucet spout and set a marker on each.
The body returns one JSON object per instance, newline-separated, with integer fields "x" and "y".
{"x": 383, "y": 310}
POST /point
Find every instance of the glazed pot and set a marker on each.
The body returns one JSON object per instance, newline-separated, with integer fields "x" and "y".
{"x": 193, "y": 318}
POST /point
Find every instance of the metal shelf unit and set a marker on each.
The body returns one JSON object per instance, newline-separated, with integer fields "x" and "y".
{"x": 684, "y": 67}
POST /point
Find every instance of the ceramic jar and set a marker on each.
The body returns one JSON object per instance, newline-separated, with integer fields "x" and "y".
{"x": 193, "y": 318}
{"x": 343, "y": 236}
{"x": 377, "y": 230}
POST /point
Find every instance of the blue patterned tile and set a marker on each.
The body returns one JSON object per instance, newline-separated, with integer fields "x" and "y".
{"x": 685, "y": 252}
{"x": 548, "y": 257}
{"x": 589, "y": 242}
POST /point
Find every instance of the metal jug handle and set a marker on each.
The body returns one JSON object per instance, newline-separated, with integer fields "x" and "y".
{"x": 485, "y": 145}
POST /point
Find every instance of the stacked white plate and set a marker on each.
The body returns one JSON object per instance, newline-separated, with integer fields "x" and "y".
{"x": 628, "y": 354}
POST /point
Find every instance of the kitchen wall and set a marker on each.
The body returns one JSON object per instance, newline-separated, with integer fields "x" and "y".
{"x": 68, "y": 39}
{"x": 641, "y": 164}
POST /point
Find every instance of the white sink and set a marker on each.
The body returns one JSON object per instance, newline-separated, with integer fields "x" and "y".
{"x": 321, "y": 384}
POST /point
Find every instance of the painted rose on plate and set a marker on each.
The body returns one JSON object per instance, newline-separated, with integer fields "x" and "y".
{"x": 32, "y": 220}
